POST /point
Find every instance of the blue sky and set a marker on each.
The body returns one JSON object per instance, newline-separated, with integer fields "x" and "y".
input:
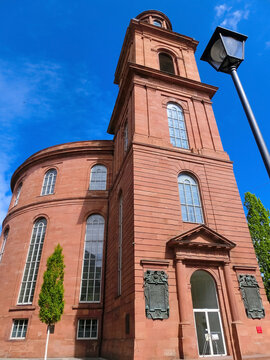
{"x": 57, "y": 64}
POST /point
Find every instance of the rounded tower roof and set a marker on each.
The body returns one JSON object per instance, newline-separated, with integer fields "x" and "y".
{"x": 155, "y": 17}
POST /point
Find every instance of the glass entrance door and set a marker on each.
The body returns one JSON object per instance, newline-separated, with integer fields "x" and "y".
{"x": 209, "y": 329}
{"x": 209, "y": 332}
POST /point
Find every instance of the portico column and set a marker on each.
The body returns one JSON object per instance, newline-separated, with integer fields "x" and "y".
{"x": 182, "y": 291}
{"x": 236, "y": 323}
{"x": 187, "y": 333}
{"x": 230, "y": 290}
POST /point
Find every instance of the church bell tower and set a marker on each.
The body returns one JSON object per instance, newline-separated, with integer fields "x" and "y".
{"x": 182, "y": 280}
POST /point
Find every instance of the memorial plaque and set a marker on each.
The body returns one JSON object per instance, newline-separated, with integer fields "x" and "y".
{"x": 156, "y": 294}
{"x": 251, "y": 296}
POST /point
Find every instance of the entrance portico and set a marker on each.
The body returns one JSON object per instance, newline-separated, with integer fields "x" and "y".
{"x": 202, "y": 259}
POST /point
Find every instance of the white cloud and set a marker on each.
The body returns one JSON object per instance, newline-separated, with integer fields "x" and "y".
{"x": 267, "y": 44}
{"x": 21, "y": 97}
{"x": 229, "y": 17}
{"x": 25, "y": 89}
{"x": 221, "y": 9}
{"x": 36, "y": 97}
{"x": 232, "y": 19}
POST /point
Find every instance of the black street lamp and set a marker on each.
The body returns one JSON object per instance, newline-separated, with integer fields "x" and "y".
{"x": 225, "y": 52}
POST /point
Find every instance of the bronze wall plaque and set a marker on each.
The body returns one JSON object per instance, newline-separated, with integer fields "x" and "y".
{"x": 251, "y": 296}
{"x": 156, "y": 294}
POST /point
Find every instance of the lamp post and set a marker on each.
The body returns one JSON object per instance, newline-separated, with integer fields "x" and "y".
{"x": 225, "y": 52}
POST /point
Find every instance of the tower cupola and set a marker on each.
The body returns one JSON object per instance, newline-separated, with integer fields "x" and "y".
{"x": 156, "y": 18}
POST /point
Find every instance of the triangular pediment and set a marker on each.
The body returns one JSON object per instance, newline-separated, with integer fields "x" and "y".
{"x": 201, "y": 236}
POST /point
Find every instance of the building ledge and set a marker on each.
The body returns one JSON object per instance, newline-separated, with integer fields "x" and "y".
{"x": 245, "y": 268}
{"x": 22, "y": 308}
{"x": 159, "y": 262}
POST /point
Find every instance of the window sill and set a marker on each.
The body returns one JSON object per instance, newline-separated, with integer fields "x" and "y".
{"x": 97, "y": 193}
{"x": 195, "y": 223}
{"x": 45, "y": 195}
{"x": 22, "y": 308}
{"x": 82, "y": 306}
{"x": 17, "y": 339}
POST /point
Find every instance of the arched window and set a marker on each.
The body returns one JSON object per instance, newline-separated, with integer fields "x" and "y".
{"x": 190, "y": 199}
{"x": 18, "y": 194}
{"x": 98, "y": 178}
{"x": 32, "y": 262}
{"x": 92, "y": 260}
{"x": 126, "y": 137}
{"x": 4, "y": 243}
{"x": 157, "y": 22}
{"x": 177, "y": 126}
{"x": 49, "y": 182}
{"x": 208, "y": 323}
{"x": 166, "y": 63}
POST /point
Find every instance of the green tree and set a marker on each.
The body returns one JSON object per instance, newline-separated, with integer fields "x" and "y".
{"x": 51, "y": 297}
{"x": 259, "y": 226}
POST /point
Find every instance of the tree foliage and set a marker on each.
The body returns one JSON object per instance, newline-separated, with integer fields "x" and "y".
{"x": 259, "y": 226}
{"x": 51, "y": 297}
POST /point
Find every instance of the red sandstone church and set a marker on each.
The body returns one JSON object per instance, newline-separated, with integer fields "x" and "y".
{"x": 159, "y": 260}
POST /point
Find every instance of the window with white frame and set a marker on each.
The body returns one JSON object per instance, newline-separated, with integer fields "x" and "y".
{"x": 98, "y": 178}
{"x": 87, "y": 329}
{"x": 126, "y": 137}
{"x": 92, "y": 260}
{"x": 4, "y": 243}
{"x": 19, "y": 328}
{"x": 177, "y": 126}
{"x": 120, "y": 240}
{"x": 49, "y": 182}
{"x": 32, "y": 262}
{"x": 190, "y": 199}
{"x": 18, "y": 193}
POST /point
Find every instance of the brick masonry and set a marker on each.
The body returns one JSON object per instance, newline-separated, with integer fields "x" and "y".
{"x": 145, "y": 176}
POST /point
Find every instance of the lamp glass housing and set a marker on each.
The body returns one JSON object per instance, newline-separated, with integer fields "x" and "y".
{"x": 225, "y": 49}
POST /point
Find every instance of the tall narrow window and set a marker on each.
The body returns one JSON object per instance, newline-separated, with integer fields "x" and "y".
{"x": 98, "y": 178}
{"x": 120, "y": 239}
{"x": 49, "y": 182}
{"x": 18, "y": 193}
{"x": 4, "y": 243}
{"x": 166, "y": 63}
{"x": 32, "y": 262}
{"x": 190, "y": 199}
{"x": 92, "y": 260}
{"x": 208, "y": 323}
{"x": 177, "y": 126}
{"x": 126, "y": 137}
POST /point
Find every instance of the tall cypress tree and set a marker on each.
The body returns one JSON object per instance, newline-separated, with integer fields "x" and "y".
{"x": 51, "y": 297}
{"x": 259, "y": 226}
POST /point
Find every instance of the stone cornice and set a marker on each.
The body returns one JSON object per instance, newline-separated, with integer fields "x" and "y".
{"x": 78, "y": 148}
{"x": 42, "y": 204}
{"x": 134, "y": 69}
{"x": 187, "y": 155}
